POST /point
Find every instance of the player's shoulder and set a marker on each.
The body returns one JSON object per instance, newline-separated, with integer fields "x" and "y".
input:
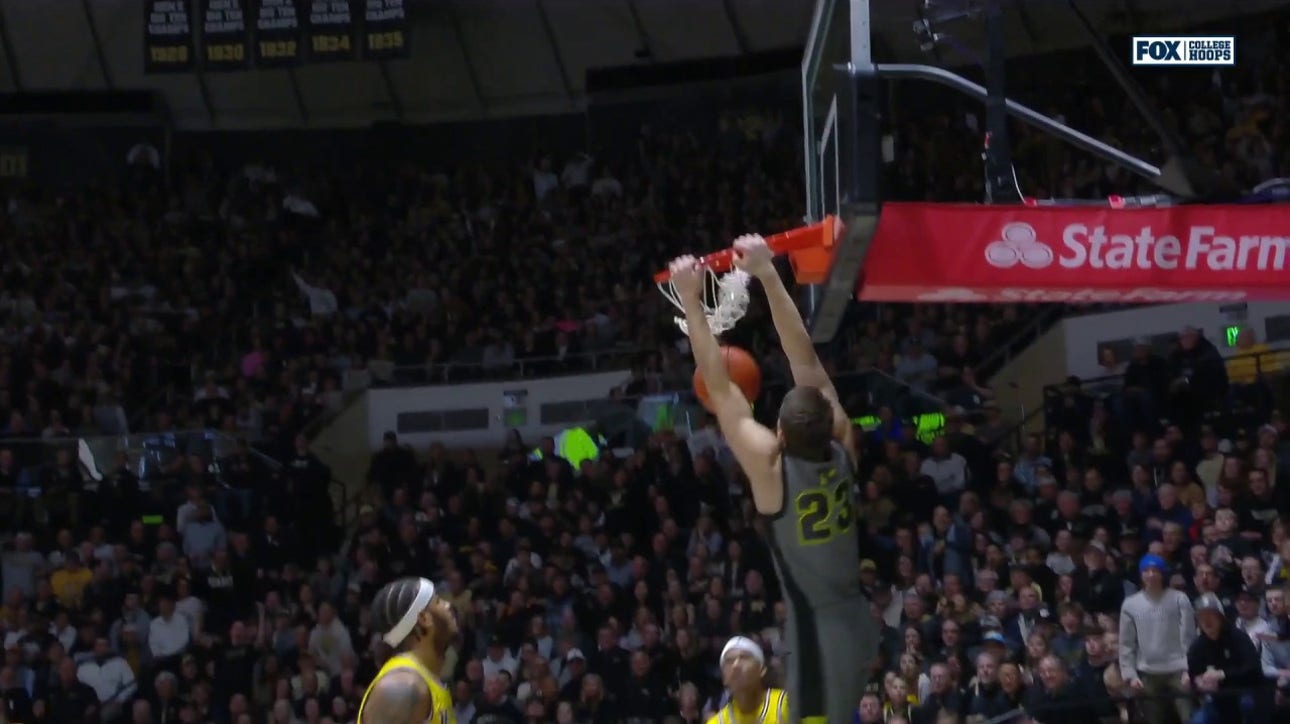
{"x": 398, "y": 695}
{"x": 715, "y": 718}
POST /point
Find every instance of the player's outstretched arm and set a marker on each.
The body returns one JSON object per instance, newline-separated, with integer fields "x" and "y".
{"x": 753, "y": 256}
{"x": 754, "y": 445}
{"x": 399, "y": 697}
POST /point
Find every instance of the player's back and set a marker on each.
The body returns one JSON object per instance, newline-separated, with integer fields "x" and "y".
{"x": 441, "y": 711}
{"x": 813, "y": 539}
{"x": 774, "y": 710}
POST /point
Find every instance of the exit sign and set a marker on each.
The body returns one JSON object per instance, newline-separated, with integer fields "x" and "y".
{"x": 1230, "y": 334}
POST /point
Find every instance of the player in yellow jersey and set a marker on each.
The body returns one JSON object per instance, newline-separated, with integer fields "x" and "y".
{"x": 743, "y": 672}
{"x": 419, "y": 626}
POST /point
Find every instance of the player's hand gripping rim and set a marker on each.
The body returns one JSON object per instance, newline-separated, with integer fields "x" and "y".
{"x": 687, "y": 278}
{"x": 754, "y": 256}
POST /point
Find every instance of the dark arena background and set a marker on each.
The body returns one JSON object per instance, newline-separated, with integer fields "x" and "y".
{"x": 297, "y": 298}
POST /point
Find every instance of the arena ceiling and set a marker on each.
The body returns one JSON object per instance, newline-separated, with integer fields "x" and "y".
{"x": 488, "y": 58}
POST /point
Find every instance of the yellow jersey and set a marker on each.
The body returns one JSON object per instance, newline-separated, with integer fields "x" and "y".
{"x": 69, "y": 586}
{"x": 774, "y": 710}
{"x": 440, "y": 698}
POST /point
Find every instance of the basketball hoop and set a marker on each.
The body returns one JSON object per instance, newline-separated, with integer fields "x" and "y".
{"x": 725, "y": 289}
{"x": 725, "y": 299}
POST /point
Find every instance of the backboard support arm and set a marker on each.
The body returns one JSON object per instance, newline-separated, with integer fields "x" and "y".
{"x": 1172, "y": 183}
{"x": 1137, "y": 96}
{"x": 1200, "y": 181}
{"x": 1000, "y": 178}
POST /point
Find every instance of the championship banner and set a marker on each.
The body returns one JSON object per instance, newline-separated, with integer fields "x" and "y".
{"x": 225, "y": 43}
{"x": 277, "y": 33}
{"x": 968, "y": 253}
{"x": 385, "y": 30}
{"x": 167, "y": 37}
{"x": 13, "y": 162}
{"x": 331, "y": 30}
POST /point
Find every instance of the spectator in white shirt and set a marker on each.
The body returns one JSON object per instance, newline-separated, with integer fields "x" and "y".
{"x": 577, "y": 171}
{"x": 606, "y": 184}
{"x": 210, "y": 391}
{"x": 63, "y": 630}
{"x": 523, "y": 564}
{"x": 189, "y": 606}
{"x": 188, "y": 509}
{"x": 948, "y": 469}
{"x": 168, "y": 633}
{"x": 330, "y": 642}
{"x": 309, "y": 672}
{"x": 1060, "y": 560}
{"x": 144, "y": 154}
{"x": 109, "y": 676}
{"x": 1249, "y": 620}
{"x": 499, "y": 659}
{"x": 544, "y": 179}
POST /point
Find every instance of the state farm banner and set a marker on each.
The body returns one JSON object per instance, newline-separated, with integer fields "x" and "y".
{"x": 970, "y": 253}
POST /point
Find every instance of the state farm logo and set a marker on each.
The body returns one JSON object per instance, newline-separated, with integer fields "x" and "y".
{"x": 1143, "y": 248}
{"x": 1020, "y": 245}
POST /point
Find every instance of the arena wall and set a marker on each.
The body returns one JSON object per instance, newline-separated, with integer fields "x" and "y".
{"x": 343, "y": 445}
{"x": 1019, "y": 386}
{"x": 1087, "y": 334}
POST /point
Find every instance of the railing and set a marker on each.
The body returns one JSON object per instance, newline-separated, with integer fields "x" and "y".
{"x": 442, "y": 373}
{"x": 1095, "y": 703}
{"x": 386, "y": 374}
{"x": 1035, "y": 328}
{"x": 1013, "y": 439}
{"x": 1270, "y": 369}
{"x": 629, "y": 421}
{"x": 1027, "y": 335}
{"x": 150, "y": 456}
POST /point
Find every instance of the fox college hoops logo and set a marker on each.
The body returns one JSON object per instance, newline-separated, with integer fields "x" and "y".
{"x": 1019, "y": 245}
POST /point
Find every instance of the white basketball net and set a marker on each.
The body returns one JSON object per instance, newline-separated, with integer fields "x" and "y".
{"x": 725, "y": 299}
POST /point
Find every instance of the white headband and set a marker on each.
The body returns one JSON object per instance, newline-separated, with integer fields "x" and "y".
{"x": 747, "y": 646}
{"x": 400, "y": 631}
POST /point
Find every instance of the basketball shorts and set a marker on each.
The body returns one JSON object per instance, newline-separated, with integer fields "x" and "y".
{"x": 830, "y": 656}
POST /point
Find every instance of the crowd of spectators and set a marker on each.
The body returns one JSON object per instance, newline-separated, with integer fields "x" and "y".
{"x": 218, "y": 590}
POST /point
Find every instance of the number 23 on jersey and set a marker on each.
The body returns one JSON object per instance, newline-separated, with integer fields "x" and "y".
{"x": 824, "y": 511}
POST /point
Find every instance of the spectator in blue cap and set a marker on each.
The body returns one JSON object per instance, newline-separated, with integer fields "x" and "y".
{"x": 1156, "y": 628}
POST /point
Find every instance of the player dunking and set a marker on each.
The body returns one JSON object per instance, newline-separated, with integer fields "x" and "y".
{"x": 801, "y": 475}
{"x": 419, "y": 626}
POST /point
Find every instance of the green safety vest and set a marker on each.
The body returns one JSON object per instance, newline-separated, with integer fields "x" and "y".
{"x": 575, "y": 445}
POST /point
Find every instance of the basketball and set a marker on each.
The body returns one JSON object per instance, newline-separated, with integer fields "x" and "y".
{"x": 743, "y": 371}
